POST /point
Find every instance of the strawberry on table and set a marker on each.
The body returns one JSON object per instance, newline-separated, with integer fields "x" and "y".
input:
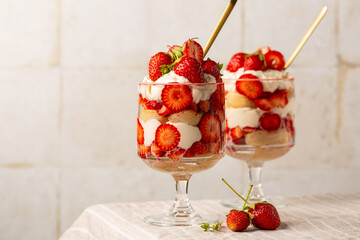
{"x": 167, "y": 137}
{"x": 210, "y": 128}
{"x": 155, "y": 64}
{"x": 237, "y": 220}
{"x": 176, "y": 97}
{"x": 190, "y": 68}
{"x": 270, "y": 121}
{"x": 236, "y": 62}
{"x": 251, "y": 89}
{"x": 193, "y": 49}
{"x": 274, "y": 60}
{"x": 264, "y": 216}
{"x": 140, "y": 133}
{"x": 253, "y": 62}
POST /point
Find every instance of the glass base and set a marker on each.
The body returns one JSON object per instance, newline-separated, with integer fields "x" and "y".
{"x": 167, "y": 220}
{"x": 278, "y": 202}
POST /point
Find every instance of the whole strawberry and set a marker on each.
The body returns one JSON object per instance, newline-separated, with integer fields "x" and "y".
{"x": 264, "y": 216}
{"x": 190, "y": 68}
{"x": 237, "y": 220}
{"x": 253, "y": 62}
{"x": 236, "y": 62}
{"x": 155, "y": 64}
{"x": 211, "y": 67}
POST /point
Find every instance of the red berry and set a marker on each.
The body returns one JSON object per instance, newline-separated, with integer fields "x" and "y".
{"x": 142, "y": 101}
{"x": 253, "y": 62}
{"x": 144, "y": 151}
{"x": 176, "y": 97}
{"x": 212, "y": 68}
{"x": 264, "y": 50}
{"x": 204, "y": 105}
{"x": 236, "y": 132}
{"x": 193, "y": 49}
{"x": 156, "y": 151}
{"x": 270, "y": 121}
{"x": 140, "y": 133}
{"x": 167, "y": 137}
{"x": 190, "y": 68}
{"x": 210, "y": 127}
{"x": 236, "y": 62}
{"x": 214, "y": 147}
{"x": 251, "y": 89}
{"x": 153, "y": 105}
{"x": 163, "y": 111}
{"x": 217, "y": 99}
{"x": 278, "y": 100}
{"x": 237, "y": 220}
{"x": 265, "y": 216}
{"x": 155, "y": 62}
{"x": 274, "y": 60}
{"x": 198, "y": 148}
{"x": 176, "y": 154}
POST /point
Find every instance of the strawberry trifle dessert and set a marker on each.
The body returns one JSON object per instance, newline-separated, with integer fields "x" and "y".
{"x": 181, "y": 119}
{"x": 260, "y": 110}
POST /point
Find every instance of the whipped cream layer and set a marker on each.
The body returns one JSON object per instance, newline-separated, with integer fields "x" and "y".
{"x": 268, "y": 84}
{"x": 249, "y": 117}
{"x": 188, "y": 134}
{"x": 199, "y": 93}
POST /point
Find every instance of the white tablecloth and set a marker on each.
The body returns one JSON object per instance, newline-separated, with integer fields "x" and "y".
{"x": 327, "y": 216}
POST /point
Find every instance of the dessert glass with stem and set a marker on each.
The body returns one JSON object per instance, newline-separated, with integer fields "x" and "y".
{"x": 259, "y": 130}
{"x": 181, "y": 143}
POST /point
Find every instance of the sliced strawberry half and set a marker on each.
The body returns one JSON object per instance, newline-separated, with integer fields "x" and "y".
{"x": 167, "y": 137}
{"x": 190, "y": 68}
{"x": 279, "y": 100}
{"x": 264, "y": 104}
{"x": 217, "y": 99}
{"x": 236, "y": 62}
{"x": 140, "y": 133}
{"x": 176, "y": 97}
{"x": 212, "y": 68}
{"x": 274, "y": 60}
{"x": 144, "y": 151}
{"x": 198, "y": 148}
{"x": 155, "y": 64}
{"x": 236, "y": 132}
{"x": 142, "y": 101}
{"x": 156, "y": 151}
{"x": 163, "y": 111}
{"x": 176, "y": 154}
{"x": 210, "y": 127}
{"x": 270, "y": 121}
{"x": 253, "y": 62}
{"x": 193, "y": 49}
{"x": 153, "y": 105}
{"x": 251, "y": 89}
{"x": 204, "y": 105}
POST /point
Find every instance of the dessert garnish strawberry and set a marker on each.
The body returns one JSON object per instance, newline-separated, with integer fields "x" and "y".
{"x": 190, "y": 68}
{"x": 253, "y": 62}
{"x": 155, "y": 65}
{"x": 193, "y": 49}
{"x": 264, "y": 216}
{"x": 251, "y": 89}
{"x": 236, "y": 62}
{"x": 140, "y": 133}
{"x": 144, "y": 151}
{"x": 274, "y": 60}
{"x": 167, "y": 137}
{"x": 278, "y": 100}
{"x": 175, "y": 52}
{"x": 211, "y": 67}
{"x": 156, "y": 151}
{"x": 270, "y": 121}
{"x": 215, "y": 227}
{"x": 176, "y": 97}
{"x": 176, "y": 154}
{"x": 264, "y": 50}
{"x": 237, "y": 220}
{"x": 210, "y": 128}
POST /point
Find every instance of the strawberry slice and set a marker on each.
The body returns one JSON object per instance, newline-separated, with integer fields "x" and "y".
{"x": 140, "y": 133}
{"x": 217, "y": 99}
{"x": 264, "y": 104}
{"x": 176, "y": 97}
{"x": 279, "y": 100}
{"x": 236, "y": 62}
{"x": 142, "y": 101}
{"x": 204, "y": 105}
{"x": 190, "y": 68}
{"x": 167, "y": 137}
{"x": 155, "y": 64}
{"x": 176, "y": 154}
{"x": 236, "y": 132}
{"x": 198, "y": 148}
{"x": 274, "y": 60}
{"x": 193, "y": 49}
{"x": 214, "y": 147}
{"x": 163, "y": 111}
{"x": 251, "y": 89}
{"x": 212, "y": 68}
{"x": 289, "y": 125}
{"x": 144, "y": 151}
{"x": 270, "y": 121}
{"x": 253, "y": 62}
{"x": 210, "y": 128}
{"x": 153, "y": 105}
{"x": 156, "y": 151}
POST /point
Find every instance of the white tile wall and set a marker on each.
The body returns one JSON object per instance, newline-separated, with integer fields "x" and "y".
{"x": 68, "y": 77}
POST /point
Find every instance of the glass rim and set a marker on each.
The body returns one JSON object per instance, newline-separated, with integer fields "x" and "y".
{"x": 258, "y": 79}
{"x": 179, "y": 84}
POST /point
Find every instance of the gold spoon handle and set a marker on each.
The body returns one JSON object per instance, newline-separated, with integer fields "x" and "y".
{"x": 220, "y": 24}
{"x": 306, "y": 36}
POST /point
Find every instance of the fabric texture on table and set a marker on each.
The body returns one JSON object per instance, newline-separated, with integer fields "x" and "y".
{"x": 327, "y": 216}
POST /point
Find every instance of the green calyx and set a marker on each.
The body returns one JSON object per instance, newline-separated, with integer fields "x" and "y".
{"x": 215, "y": 227}
{"x": 175, "y": 52}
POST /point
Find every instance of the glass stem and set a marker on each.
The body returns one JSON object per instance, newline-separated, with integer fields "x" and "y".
{"x": 257, "y": 193}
